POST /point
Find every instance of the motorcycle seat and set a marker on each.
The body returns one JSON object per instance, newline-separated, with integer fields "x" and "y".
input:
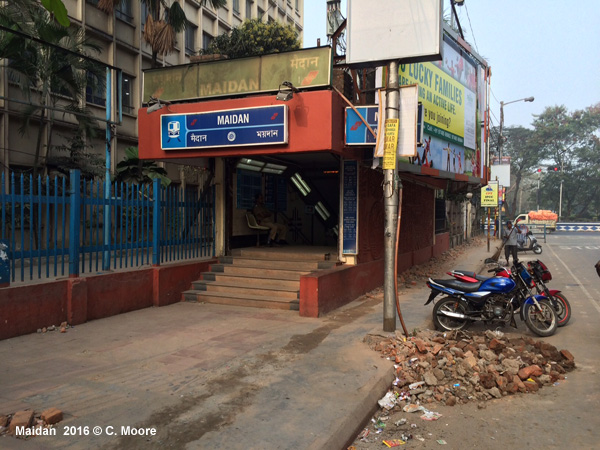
{"x": 471, "y": 274}
{"x": 459, "y": 285}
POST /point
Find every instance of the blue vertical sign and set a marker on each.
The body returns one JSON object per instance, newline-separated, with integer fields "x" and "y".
{"x": 357, "y": 132}
{"x": 262, "y": 125}
{"x": 350, "y": 208}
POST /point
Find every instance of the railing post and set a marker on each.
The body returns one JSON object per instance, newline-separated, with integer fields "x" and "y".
{"x": 156, "y": 223}
{"x": 74, "y": 222}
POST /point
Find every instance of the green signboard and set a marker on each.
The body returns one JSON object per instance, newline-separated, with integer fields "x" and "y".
{"x": 303, "y": 68}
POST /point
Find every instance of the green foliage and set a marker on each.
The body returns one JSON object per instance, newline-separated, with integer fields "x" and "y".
{"x": 568, "y": 140}
{"x": 77, "y": 156}
{"x": 58, "y": 9}
{"x": 253, "y": 38}
{"x": 134, "y": 170}
{"x": 53, "y": 81}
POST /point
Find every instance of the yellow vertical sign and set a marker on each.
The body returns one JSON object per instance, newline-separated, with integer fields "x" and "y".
{"x": 489, "y": 194}
{"x": 390, "y": 144}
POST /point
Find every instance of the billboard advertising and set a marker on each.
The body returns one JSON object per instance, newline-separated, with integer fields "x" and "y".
{"x": 413, "y": 26}
{"x": 453, "y": 96}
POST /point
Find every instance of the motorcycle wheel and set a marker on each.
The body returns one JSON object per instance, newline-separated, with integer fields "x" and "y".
{"x": 544, "y": 322}
{"x": 562, "y": 307}
{"x": 537, "y": 249}
{"x": 447, "y": 323}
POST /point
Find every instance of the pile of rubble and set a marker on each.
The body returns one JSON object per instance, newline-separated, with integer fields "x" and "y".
{"x": 458, "y": 367}
{"x": 25, "y": 424}
{"x": 63, "y": 328}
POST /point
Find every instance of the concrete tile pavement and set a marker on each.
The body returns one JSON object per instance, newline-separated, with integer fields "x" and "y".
{"x": 210, "y": 376}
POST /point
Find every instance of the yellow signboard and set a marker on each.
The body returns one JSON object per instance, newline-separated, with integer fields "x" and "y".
{"x": 303, "y": 68}
{"x": 390, "y": 144}
{"x": 489, "y": 194}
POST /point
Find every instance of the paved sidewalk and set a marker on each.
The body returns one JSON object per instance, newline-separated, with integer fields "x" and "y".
{"x": 211, "y": 376}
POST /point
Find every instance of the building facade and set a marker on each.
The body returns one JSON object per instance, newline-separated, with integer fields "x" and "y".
{"x": 120, "y": 37}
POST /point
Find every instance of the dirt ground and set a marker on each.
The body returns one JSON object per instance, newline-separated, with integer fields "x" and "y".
{"x": 563, "y": 415}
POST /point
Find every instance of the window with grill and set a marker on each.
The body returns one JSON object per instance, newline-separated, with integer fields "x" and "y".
{"x": 127, "y": 94}
{"x": 248, "y": 9}
{"x": 440, "y": 215}
{"x": 190, "y": 38}
{"x": 124, "y": 11}
{"x": 206, "y": 40}
{"x": 95, "y": 91}
{"x": 236, "y": 6}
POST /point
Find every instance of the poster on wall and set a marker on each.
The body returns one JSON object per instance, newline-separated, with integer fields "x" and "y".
{"x": 452, "y": 101}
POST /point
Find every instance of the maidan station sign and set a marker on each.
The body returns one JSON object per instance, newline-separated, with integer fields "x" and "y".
{"x": 226, "y": 78}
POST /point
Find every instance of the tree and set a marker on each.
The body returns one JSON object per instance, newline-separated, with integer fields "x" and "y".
{"x": 134, "y": 170}
{"x": 52, "y": 80}
{"x": 165, "y": 19}
{"x": 524, "y": 157}
{"x": 90, "y": 164}
{"x": 254, "y": 37}
{"x": 571, "y": 142}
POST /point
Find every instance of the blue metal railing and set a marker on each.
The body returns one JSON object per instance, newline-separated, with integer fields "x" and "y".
{"x": 145, "y": 224}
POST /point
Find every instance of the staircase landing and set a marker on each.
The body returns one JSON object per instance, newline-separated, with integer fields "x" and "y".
{"x": 261, "y": 277}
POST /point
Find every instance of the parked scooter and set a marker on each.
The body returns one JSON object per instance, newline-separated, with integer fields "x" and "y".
{"x": 529, "y": 243}
{"x": 538, "y": 275}
{"x": 494, "y": 300}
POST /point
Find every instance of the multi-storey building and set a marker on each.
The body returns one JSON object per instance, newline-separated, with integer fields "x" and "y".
{"x": 120, "y": 37}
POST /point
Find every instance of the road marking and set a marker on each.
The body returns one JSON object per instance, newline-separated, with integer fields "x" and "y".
{"x": 587, "y": 247}
{"x": 585, "y": 291}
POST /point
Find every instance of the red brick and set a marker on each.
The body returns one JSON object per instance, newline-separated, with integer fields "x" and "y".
{"x": 421, "y": 346}
{"x": 531, "y": 387}
{"x": 437, "y": 348}
{"x": 567, "y": 355}
{"x": 496, "y": 345}
{"x": 21, "y": 419}
{"x": 529, "y": 371}
{"x": 52, "y": 416}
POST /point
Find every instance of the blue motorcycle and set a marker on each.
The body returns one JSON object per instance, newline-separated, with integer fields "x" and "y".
{"x": 491, "y": 301}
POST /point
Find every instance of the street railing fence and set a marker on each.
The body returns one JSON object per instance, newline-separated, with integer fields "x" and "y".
{"x": 58, "y": 227}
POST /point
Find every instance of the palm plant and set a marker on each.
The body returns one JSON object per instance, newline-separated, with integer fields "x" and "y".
{"x": 165, "y": 19}
{"x": 47, "y": 66}
{"x": 135, "y": 170}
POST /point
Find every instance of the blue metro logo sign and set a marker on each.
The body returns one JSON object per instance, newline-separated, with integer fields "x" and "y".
{"x": 263, "y": 125}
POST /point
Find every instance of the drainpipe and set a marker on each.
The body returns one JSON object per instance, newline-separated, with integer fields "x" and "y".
{"x": 390, "y": 202}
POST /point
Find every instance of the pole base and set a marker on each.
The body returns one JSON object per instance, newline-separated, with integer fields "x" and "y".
{"x": 389, "y": 324}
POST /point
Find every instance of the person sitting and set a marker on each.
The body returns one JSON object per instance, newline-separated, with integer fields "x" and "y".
{"x": 265, "y": 217}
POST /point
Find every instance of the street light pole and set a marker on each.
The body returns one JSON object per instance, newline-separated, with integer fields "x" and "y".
{"x": 501, "y": 141}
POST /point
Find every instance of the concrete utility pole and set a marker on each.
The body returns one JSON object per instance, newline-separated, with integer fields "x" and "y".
{"x": 390, "y": 202}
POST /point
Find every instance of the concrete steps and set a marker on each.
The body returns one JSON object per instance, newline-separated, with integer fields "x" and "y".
{"x": 259, "y": 278}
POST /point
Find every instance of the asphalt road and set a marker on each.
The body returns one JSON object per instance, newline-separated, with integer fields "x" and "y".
{"x": 557, "y": 417}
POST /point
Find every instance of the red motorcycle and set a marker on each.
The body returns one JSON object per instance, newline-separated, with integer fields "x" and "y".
{"x": 539, "y": 274}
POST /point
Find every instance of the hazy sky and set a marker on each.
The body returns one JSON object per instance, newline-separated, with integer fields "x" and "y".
{"x": 549, "y": 49}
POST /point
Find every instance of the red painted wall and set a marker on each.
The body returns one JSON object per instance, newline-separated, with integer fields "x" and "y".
{"x": 24, "y": 309}
{"x": 121, "y": 293}
{"x": 315, "y": 118}
{"x": 327, "y": 290}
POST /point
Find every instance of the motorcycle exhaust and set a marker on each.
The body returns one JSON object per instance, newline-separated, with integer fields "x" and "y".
{"x": 458, "y": 316}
